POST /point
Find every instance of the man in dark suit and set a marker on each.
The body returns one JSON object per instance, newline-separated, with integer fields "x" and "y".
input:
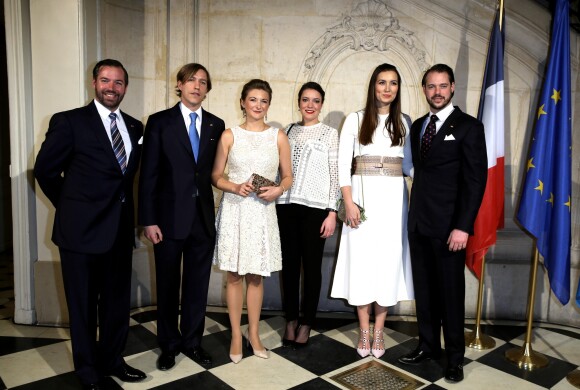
{"x": 176, "y": 208}
{"x": 86, "y": 167}
{"x": 450, "y": 172}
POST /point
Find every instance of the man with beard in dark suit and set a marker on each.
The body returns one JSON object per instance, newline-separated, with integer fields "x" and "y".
{"x": 86, "y": 168}
{"x": 450, "y": 173}
{"x": 176, "y": 208}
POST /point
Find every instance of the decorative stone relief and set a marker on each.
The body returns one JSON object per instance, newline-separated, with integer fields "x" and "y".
{"x": 369, "y": 26}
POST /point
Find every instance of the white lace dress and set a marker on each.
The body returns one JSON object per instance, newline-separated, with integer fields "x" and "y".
{"x": 248, "y": 239}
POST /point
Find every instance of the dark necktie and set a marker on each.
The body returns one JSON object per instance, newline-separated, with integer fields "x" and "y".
{"x": 118, "y": 145}
{"x": 193, "y": 136}
{"x": 428, "y": 136}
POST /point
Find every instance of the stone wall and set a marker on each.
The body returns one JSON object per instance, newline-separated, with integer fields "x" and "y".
{"x": 337, "y": 43}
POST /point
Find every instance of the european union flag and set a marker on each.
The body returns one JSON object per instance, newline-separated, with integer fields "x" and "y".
{"x": 545, "y": 206}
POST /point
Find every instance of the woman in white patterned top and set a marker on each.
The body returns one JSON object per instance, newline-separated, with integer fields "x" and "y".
{"x": 306, "y": 212}
{"x": 248, "y": 242}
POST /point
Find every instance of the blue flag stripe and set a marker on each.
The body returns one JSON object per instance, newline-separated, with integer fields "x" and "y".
{"x": 494, "y": 65}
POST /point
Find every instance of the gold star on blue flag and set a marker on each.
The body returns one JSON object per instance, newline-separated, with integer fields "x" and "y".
{"x": 547, "y": 214}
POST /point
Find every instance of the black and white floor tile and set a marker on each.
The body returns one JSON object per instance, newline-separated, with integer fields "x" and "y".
{"x": 34, "y": 357}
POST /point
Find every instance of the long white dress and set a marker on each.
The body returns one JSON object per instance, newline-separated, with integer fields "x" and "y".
{"x": 248, "y": 239}
{"x": 373, "y": 260}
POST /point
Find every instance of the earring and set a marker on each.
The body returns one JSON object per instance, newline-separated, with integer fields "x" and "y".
{"x": 266, "y": 117}
{"x": 244, "y": 112}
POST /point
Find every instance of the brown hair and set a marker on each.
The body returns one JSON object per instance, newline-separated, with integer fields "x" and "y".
{"x": 439, "y": 68}
{"x": 255, "y": 84}
{"x": 370, "y": 121}
{"x": 189, "y": 70}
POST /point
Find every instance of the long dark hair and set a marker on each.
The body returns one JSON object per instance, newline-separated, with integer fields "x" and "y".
{"x": 393, "y": 124}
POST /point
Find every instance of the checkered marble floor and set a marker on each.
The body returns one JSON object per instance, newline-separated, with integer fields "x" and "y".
{"x": 34, "y": 357}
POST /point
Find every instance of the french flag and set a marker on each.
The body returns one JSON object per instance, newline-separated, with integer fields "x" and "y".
{"x": 491, "y": 113}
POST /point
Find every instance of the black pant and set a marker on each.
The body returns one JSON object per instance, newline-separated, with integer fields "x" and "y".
{"x": 196, "y": 251}
{"x": 301, "y": 246}
{"x": 439, "y": 280}
{"x": 99, "y": 286}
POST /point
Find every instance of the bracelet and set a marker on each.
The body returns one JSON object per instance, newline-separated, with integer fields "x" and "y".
{"x": 330, "y": 210}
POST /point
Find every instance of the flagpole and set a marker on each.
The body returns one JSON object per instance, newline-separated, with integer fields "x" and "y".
{"x": 524, "y": 357}
{"x": 500, "y": 13}
{"x": 574, "y": 378}
{"x": 476, "y": 339}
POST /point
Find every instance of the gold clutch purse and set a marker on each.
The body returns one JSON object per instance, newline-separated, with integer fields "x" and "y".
{"x": 259, "y": 181}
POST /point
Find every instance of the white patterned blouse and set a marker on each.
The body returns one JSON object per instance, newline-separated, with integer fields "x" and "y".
{"x": 314, "y": 166}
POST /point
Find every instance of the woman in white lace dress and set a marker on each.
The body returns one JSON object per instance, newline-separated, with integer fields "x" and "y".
{"x": 248, "y": 241}
{"x": 373, "y": 269}
{"x": 306, "y": 213}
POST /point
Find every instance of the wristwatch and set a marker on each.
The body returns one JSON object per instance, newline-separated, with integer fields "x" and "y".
{"x": 329, "y": 210}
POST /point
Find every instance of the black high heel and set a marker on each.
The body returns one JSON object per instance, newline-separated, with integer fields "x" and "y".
{"x": 298, "y": 345}
{"x": 285, "y": 341}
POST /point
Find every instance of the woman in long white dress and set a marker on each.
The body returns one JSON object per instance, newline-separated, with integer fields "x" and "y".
{"x": 373, "y": 269}
{"x": 248, "y": 240}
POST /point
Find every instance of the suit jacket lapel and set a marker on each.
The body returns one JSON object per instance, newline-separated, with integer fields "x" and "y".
{"x": 416, "y": 138}
{"x": 134, "y": 136}
{"x": 100, "y": 131}
{"x": 445, "y": 130}
{"x": 206, "y": 132}
{"x": 177, "y": 124}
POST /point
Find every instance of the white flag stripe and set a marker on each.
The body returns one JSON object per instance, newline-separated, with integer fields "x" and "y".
{"x": 493, "y": 122}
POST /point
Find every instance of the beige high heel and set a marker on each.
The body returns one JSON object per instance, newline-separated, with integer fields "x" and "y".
{"x": 365, "y": 350}
{"x": 264, "y": 353}
{"x": 378, "y": 348}
{"x": 236, "y": 358}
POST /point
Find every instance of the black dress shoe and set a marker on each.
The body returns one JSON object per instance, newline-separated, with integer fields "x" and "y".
{"x": 416, "y": 357}
{"x": 91, "y": 386}
{"x": 454, "y": 373}
{"x": 198, "y": 355}
{"x": 166, "y": 361}
{"x": 126, "y": 373}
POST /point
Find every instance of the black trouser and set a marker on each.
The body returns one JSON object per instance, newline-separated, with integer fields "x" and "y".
{"x": 439, "y": 281}
{"x": 184, "y": 264}
{"x": 303, "y": 247}
{"x": 98, "y": 288}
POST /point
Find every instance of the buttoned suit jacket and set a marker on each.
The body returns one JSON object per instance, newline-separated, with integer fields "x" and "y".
{"x": 170, "y": 177}
{"x": 448, "y": 185}
{"x": 77, "y": 169}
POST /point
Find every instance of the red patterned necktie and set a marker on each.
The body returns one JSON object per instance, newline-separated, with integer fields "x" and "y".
{"x": 428, "y": 136}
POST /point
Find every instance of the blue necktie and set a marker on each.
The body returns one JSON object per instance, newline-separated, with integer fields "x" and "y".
{"x": 193, "y": 136}
{"x": 118, "y": 145}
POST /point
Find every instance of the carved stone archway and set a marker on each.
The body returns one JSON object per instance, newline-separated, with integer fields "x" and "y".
{"x": 369, "y": 27}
